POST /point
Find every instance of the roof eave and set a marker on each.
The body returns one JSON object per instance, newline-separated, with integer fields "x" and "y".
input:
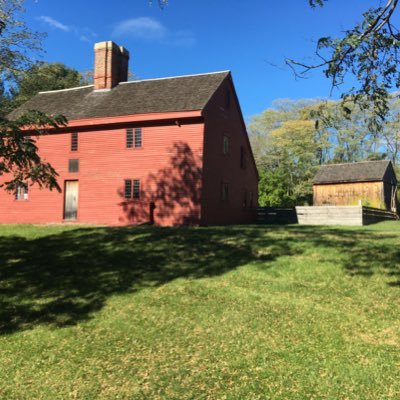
{"x": 127, "y": 119}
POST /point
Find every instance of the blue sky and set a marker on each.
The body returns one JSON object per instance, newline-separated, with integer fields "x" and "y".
{"x": 250, "y": 38}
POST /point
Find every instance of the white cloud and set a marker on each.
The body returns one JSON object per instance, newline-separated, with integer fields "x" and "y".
{"x": 142, "y": 27}
{"x": 54, "y": 23}
{"x": 150, "y": 29}
{"x": 84, "y": 34}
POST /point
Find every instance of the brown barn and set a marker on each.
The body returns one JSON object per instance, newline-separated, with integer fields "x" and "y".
{"x": 371, "y": 183}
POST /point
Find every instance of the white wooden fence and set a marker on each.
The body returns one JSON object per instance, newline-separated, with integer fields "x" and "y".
{"x": 342, "y": 215}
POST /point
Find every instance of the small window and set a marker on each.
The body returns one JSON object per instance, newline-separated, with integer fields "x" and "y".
{"x": 21, "y": 192}
{"x": 74, "y": 141}
{"x": 243, "y": 158}
{"x": 136, "y": 188}
{"x": 133, "y": 141}
{"x": 226, "y": 145}
{"x": 129, "y": 138}
{"x": 128, "y": 189}
{"x": 138, "y": 137}
{"x": 73, "y": 165}
{"x": 225, "y": 191}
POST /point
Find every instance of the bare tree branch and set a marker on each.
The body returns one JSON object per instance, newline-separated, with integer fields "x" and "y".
{"x": 369, "y": 51}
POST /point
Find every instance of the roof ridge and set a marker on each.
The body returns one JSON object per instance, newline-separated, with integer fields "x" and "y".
{"x": 66, "y": 90}
{"x": 174, "y": 77}
{"x": 354, "y": 162}
{"x": 137, "y": 81}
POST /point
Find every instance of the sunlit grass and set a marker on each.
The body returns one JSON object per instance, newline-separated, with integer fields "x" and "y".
{"x": 209, "y": 313}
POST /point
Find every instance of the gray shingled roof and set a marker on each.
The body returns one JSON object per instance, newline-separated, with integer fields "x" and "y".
{"x": 352, "y": 172}
{"x": 185, "y": 93}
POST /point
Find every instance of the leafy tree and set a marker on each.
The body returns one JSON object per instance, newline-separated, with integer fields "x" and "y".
{"x": 19, "y": 158}
{"x": 390, "y": 137}
{"x": 20, "y": 163}
{"x": 274, "y": 187}
{"x": 16, "y": 41}
{"x": 261, "y": 125}
{"x": 41, "y": 77}
{"x": 287, "y": 150}
{"x": 369, "y": 51}
{"x": 292, "y": 155}
{"x": 5, "y": 101}
{"x": 347, "y": 135}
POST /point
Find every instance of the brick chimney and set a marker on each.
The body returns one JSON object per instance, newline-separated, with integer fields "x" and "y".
{"x": 110, "y": 65}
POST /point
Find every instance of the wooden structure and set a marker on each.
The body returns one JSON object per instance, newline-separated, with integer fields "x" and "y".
{"x": 369, "y": 183}
{"x": 342, "y": 215}
{"x": 169, "y": 151}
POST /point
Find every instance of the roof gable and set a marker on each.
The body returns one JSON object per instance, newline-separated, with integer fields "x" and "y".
{"x": 366, "y": 171}
{"x": 184, "y": 93}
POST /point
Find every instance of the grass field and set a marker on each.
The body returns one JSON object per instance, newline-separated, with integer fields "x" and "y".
{"x": 209, "y": 313}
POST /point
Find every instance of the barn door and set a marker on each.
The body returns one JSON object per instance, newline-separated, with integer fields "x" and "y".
{"x": 71, "y": 200}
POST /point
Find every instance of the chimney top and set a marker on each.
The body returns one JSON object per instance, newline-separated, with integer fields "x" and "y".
{"x": 111, "y": 65}
{"x": 111, "y": 45}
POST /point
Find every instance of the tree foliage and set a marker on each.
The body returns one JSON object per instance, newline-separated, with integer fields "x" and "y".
{"x": 20, "y": 162}
{"x": 370, "y": 52}
{"x": 285, "y": 145}
{"x": 42, "y": 77}
{"x": 16, "y": 40}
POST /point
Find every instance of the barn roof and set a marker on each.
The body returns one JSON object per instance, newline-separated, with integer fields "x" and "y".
{"x": 181, "y": 93}
{"x": 366, "y": 171}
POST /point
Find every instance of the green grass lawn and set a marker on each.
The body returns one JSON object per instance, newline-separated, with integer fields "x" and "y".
{"x": 268, "y": 312}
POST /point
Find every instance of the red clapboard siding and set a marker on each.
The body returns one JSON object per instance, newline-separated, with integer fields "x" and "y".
{"x": 168, "y": 166}
{"x": 223, "y": 117}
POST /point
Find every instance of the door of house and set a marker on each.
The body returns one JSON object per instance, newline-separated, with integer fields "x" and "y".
{"x": 71, "y": 200}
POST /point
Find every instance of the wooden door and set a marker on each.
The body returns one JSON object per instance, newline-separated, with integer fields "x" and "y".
{"x": 71, "y": 200}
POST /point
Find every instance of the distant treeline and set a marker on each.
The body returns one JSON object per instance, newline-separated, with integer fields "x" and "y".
{"x": 293, "y": 138}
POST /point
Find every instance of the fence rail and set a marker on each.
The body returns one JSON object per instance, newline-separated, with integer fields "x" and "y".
{"x": 330, "y": 215}
{"x": 342, "y": 215}
{"x": 323, "y": 215}
{"x": 276, "y": 215}
{"x": 371, "y": 215}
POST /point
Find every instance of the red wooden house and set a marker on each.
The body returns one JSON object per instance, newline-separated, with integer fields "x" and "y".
{"x": 173, "y": 151}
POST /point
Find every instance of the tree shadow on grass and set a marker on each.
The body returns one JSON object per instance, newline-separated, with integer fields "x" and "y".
{"x": 374, "y": 255}
{"x": 62, "y": 279}
{"x": 359, "y": 252}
